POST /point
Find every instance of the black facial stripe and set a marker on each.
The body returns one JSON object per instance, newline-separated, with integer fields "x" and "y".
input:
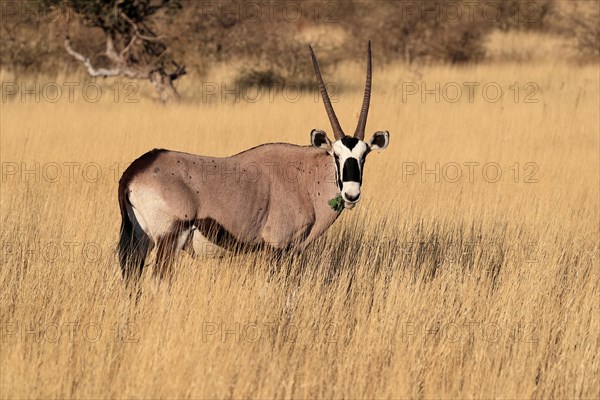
{"x": 351, "y": 171}
{"x": 349, "y": 142}
{"x": 337, "y": 163}
{"x": 362, "y": 167}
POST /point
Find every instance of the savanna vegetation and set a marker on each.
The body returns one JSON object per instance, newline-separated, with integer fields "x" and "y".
{"x": 468, "y": 270}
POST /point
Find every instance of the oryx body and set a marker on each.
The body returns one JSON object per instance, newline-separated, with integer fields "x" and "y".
{"x": 273, "y": 195}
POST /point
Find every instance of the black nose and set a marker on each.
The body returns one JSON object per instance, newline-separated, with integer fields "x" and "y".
{"x": 352, "y": 198}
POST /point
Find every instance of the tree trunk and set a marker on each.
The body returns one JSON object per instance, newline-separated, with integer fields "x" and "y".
{"x": 163, "y": 84}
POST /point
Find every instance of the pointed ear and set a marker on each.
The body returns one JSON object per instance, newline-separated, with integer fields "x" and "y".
{"x": 319, "y": 139}
{"x": 380, "y": 140}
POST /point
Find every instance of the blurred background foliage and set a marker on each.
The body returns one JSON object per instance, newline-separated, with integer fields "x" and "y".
{"x": 268, "y": 39}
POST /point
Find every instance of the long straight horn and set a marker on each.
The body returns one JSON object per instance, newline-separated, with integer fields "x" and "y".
{"x": 364, "y": 111}
{"x": 335, "y": 124}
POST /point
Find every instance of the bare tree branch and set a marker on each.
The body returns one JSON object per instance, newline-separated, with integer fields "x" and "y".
{"x": 179, "y": 71}
{"x": 132, "y": 48}
{"x": 104, "y": 72}
{"x": 125, "y": 50}
{"x": 111, "y": 52}
{"x": 136, "y": 29}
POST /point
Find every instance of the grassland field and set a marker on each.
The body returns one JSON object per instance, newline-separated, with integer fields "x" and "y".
{"x": 468, "y": 270}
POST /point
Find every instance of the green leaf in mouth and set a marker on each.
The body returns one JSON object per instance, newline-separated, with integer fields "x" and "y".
{"x": 337, "y": 203}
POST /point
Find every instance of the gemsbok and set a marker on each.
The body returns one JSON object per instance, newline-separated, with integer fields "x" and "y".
{"x": 275, "y": 195}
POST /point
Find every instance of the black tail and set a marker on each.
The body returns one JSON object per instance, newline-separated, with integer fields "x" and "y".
{"x": 134, "y": 244}
{"x": 132, "y": 251}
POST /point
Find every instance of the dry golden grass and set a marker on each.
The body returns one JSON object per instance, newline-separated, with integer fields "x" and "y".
{"x": 467, "y": 289}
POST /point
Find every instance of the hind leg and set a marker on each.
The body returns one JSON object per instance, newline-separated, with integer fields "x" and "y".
{"x": 165, "y": 233}
{"x": 133, "y": 251}
{"x": 165, "y": 255}
{"x": 167, "y": 248}
{"x": 132, "y": 271}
